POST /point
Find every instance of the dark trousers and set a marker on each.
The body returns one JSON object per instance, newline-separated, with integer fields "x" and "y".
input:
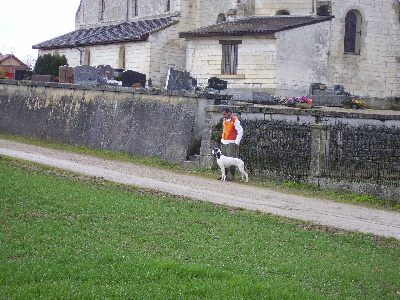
{"x": 230, "y": 150}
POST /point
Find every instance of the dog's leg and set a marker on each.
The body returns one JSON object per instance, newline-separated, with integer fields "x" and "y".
{"x": 223, "y": 174}
{"x": 243, "y": 172}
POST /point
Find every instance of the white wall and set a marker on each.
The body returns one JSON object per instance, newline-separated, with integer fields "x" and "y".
{"x": 376, "y": 71}
{"x": 302, "y": 58}
{"x": 256, "y": 62}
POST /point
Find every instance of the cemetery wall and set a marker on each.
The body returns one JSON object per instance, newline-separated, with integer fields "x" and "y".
{"x": 139, "y": 121}
{"x": 169, "y": 124}
{"x": 356, "y": 151}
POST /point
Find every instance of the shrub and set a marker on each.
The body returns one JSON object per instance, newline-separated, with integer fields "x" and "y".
{"x": 48, "y": 64}
{"x": 2, "y": 73}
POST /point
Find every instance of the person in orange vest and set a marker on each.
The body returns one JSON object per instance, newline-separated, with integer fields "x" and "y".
{"x": 232, "y": 133}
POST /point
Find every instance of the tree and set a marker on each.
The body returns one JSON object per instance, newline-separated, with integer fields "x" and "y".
{"x": 30, "y": 61}
{"x": 48, "y": 64}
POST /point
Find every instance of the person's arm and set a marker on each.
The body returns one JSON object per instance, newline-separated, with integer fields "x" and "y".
{"x": 239, "y": 130}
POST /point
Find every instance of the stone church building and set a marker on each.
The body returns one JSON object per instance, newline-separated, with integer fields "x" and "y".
{"x": 281, "y": 47}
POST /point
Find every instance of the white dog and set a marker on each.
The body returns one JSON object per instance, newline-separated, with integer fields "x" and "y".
{"x": 225, "y": 162}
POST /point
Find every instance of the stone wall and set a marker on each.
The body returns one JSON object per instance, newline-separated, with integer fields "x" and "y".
{"x": 143, "y": 122}
{"x": 356, "y": 151}
{"x": 270, "y": 8}
{"x": 170, "y": 125}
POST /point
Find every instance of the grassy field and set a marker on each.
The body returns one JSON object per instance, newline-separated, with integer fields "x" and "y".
{"x": 66, "y": 236}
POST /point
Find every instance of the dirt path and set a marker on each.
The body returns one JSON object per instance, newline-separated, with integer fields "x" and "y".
{"x": 319, "y": 211}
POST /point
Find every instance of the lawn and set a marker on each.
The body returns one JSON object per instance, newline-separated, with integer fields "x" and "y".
{"x": 66, "y": 236}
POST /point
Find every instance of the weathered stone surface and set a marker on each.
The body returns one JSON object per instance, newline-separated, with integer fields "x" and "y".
{"x": 105, "y": 72}
{"x": 217, "y": 84}
{"x": 43, "y": 78}
{"x": 120, "y": 120}
{"x": 65, "y": 74}
{"x": 133, "y": 79}
{"x": 85, "y": 75}
{"x": 179, "y": 80}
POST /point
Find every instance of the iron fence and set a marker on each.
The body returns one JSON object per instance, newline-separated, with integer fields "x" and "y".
{"x": 276, "y": 148}
{"x": 282, "y": 150}
{"x": 364, "y": 153}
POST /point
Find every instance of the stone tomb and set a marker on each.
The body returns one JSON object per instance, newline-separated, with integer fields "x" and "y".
{"x": 133, "y": 79}
{"x": 22, "y": 75}
{"x": 180, "y": 80}
{"x": 85, "y": 75}
{"x": 65, "y": 74}
{"x": 105, "y": 72}
{"x": 217, "y": 84}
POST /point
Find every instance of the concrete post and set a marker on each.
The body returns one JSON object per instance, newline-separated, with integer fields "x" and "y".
{"x": 319, "y": 152}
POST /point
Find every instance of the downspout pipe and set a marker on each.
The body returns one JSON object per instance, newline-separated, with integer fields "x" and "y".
{"x": 80, "y": 56}
{"x": 127, "y": 10}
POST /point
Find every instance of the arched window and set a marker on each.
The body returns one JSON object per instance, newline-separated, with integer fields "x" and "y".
{"x": 352, "y": 32}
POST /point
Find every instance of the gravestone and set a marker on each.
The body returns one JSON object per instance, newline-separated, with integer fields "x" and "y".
{"x": 193, "y": 82}
{"x": 133, "y": 79}
{"x": 217, "y": 84}
{"x": 85, "y": 75}
{"x": 118, "y": 73}
{"x": 65, "y": 74}
{"x": 22, "y": 75}
{"x": 105, "y": 72}
{"x": 179, "y": 80}
{"x": 43, "y": 78}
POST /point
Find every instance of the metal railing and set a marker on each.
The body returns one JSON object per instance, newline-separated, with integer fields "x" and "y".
{"x": 283, "y": 150}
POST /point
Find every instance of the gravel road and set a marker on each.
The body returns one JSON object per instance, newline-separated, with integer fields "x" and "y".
{"x": 319, "y": 211}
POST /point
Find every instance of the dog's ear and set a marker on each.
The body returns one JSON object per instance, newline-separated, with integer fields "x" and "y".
{"x": 218, "y": 154}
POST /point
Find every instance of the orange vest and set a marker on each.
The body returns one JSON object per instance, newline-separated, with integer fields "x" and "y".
{"x": 229, "y": 131}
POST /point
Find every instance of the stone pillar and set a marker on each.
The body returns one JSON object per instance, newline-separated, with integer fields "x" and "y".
{"x": 319, "y": 152}
{"x": 206, "y": 157}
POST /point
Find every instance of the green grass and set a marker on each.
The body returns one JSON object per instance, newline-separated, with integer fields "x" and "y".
{"x": 66, "y": 236}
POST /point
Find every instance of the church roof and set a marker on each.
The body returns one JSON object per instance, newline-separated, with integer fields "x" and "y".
{"x": 124, "y": 32}
{"x": 255, "y": 25}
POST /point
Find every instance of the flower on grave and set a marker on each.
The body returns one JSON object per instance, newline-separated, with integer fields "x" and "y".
{"x": 305, "y": 99}
{"x": 292, "y": 101}
{"x": 357, "y": 103}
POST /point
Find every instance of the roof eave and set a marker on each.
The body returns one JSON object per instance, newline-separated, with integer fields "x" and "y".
{"x": 243, "y": 33}
{"x": 213, "y": 34}
{"x": 140, "y": 38}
